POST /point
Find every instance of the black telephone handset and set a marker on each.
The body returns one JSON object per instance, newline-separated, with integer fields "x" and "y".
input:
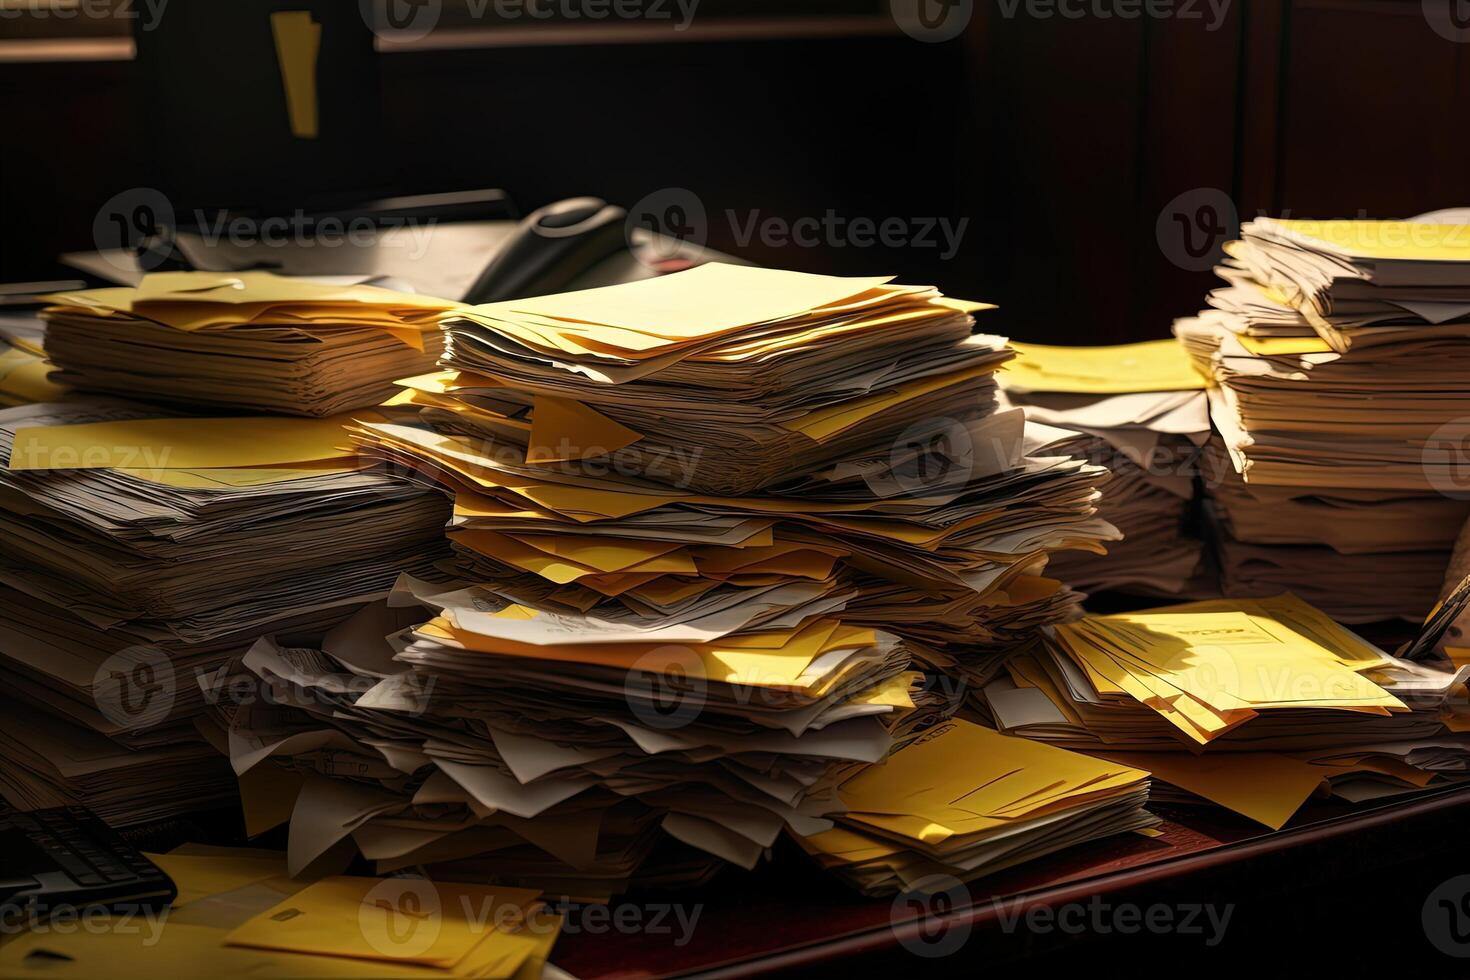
{"x": 553, "y": 246}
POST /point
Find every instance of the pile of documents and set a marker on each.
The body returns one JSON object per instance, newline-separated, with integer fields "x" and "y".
{"x": 770, "y": 375}
{"x": 24, "y": 369}
{"x": 239, "y": 914}
{"x": 939, "y": 534}
{"x": 1340, "y": 353}
{"x": 246, "y": 341}
{"x": 962, "y": 801}
{"x": 141, "y": 551}
{"x": 1362, "y": 555}
{"x": 1140, "y": 411}
{"x": 627, "y": 630}
{"x": 500, "y": 727}
{"x": 1274, "y": 681}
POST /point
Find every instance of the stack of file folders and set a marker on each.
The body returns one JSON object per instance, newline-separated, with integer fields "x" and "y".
{"x": 142, "y": 549}
{"x": 1140, "y": 411}
{"x": 250, "y": 341}
{"x": 701, "y": 525}
{"x": 1340, "y": 353}
{"x": 1255, "y": 704}
{"x": 963, "y": 801}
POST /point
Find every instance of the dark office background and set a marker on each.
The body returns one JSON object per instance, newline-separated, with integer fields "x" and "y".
{"x": 1093, "y": 157}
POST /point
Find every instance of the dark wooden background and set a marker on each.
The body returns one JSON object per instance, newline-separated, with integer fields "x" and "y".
{"x": 1095, "y": 159}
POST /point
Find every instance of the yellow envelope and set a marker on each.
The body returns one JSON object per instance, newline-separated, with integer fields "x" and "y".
{"x": 397, "y": 920}
{"x": 201, "y": 875}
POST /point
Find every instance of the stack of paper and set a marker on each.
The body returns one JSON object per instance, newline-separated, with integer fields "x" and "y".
{"x": 49, "y": 761}
{"x": 1264, "y": 678}
{"x": 141, "y": 551}
{"x": 23, "y": 365}
{"x": 239, "y": 914}
{"x": 1339, "y": 352}
{"x": 770, "y": 374}
{"x": 720, "y": 662}
{"x": 963, "y": 801}
{"x": 497, "y": 725}
{"x": 1140, "y": 411}
{"x": 251, "y": 341}
{"x": 940, "y": 534}
{"x": 1363, "y": 555}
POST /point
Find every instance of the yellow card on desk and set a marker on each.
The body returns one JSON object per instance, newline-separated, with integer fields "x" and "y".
{"x": 180, "y": 444}
{"x": 1155, "y": 365}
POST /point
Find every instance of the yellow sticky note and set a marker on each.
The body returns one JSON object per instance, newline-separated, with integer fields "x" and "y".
{"x": 298, "y": 41}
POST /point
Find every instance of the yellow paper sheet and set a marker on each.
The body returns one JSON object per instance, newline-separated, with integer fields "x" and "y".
{"x": 1267, "y": 787}
{"x": 1156, "y": 365}
{"x": 181, "y": 444}
{"x": 562, "y": 429}
{"x": 702, "y": 302}
{"x": 1386, "y": 239}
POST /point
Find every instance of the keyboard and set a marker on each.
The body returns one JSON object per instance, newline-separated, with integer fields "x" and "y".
{"x": 66, "y": 857}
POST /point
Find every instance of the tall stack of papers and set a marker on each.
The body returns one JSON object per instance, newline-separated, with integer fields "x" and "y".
{"x": 1274, "y": 680}
{"x": 1340, "y": 352}
{"x": 250, "y": 341}
{"x": 940, "y": 533}
{"x": 1140, "y": 411}
{"x": 693, "y": 518}
{"x": 963, "y": 801}
{"x": 140, "y": 552}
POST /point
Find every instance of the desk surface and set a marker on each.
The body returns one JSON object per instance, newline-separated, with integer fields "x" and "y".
{"x": 787, "y": 917}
